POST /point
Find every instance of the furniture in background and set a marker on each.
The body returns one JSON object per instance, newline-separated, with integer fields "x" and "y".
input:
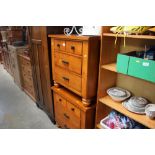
{"x": 14, "y": 34}
{"x": 109, "y": 77}
{"x": 26, "y": 75}
{"x": 75, "y": 64}
{"x": 15, "y": 61}
{"x": 41, "y": 65}
{"x": 7, "y": 60}
{"x": 70, "y": 111}
{"x": 13, "y": 50}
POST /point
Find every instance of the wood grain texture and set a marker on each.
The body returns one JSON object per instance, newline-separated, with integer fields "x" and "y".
{"x": 81, "y": 57}
{"x": 70, "y": 112}
{"x": 108, "y": 76}
{"x": 143, "y": 119}
{"x": 26, "y": 78}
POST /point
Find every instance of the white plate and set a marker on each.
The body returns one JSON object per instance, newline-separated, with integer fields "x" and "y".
{"x": 128, "y": 106}
{"x": 139, "y": 102}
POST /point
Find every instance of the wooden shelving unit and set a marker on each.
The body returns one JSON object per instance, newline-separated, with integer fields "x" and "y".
{"x": 110, "y": 67}
{"x": 118, "y": 106}
{"x": 129, "y": 36}
{"x": 108, "y": 76}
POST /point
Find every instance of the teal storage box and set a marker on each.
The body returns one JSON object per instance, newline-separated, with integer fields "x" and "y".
{"x": 141, "y": 68}
{"x": 122, "y": 63}
{"x": 130, "y": 64}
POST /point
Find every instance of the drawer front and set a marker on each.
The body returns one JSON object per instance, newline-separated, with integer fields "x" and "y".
{"x": 74, "y": 47}
{"x": 71, "y": 63}
{"x": 60, "y": 101}
{"x": 73, "y": 110}
{"x": 27, "y": 70}
{"x": 68, "y": 79}
{"x": 29, "y": 88}
{"x": 59, "y": 45}
{"x": 25, "y": 62}
{"x": 60, "y": 110}
{"x": 27, "y": 78}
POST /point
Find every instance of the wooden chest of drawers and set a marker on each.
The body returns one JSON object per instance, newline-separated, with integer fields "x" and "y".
{"x": 13, "y": 50}
{"x": 75, "y": 64}
{"x": 26, "y": 75}
{"x": 70, "y": 112}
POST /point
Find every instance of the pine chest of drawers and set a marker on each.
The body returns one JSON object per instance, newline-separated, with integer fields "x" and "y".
{"x": 26, "y": 75}
{"x": 75, "y": 64}
{"x": 70, "y": 112}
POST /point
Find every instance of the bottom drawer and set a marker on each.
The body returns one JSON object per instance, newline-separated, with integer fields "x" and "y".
{"x": 66, "y": 114}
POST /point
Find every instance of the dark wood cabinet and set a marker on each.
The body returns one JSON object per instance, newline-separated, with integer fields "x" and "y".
{"x": 26, "y": 75}
{"x": 41, "y": 65}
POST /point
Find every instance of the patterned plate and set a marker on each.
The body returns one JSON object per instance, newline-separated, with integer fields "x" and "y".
{"x": 132, "y": 108}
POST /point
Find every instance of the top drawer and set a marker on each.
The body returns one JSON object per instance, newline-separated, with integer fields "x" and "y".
{"x": 59, "y": 45}
{"x": 74, "y": 47}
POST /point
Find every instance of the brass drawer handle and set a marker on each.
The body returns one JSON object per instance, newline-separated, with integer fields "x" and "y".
{"x": 72, "y": 47}
{"x": 66, "y": 116}
{"x": 65, "y": 62}
{"x": 65, "y": 78}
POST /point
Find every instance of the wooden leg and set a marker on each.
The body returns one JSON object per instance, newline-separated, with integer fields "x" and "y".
{"x": 86, "y": 102}
{"x": 56, "y": 84}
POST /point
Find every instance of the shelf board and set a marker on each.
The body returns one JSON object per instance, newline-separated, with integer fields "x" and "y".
{"x": 130, "y": 36}
{"x": 143, "y": 119}
{"x": 111, "y": 67}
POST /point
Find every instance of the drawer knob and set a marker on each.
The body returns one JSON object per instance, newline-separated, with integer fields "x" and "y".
{"x": 65, "y": 78}
{"x": 72, "y": 109}
{"x": 60, "y": 99}
{"x": 66, "y": 116}
{"x": 65, "y": 62}
{"x": 72, "y": 47}
{"x": 58, "y": 45}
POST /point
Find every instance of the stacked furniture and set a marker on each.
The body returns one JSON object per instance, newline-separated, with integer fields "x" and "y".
{"x": 14, "y": 51}
{"x": 110, "y": 77}
{"x": 7, "y": 60}
{"x": 14, "y": 34}
{"x": 26, "y": 75}
{"x": 41, "y": 65}
{"x": 75, "y": 72}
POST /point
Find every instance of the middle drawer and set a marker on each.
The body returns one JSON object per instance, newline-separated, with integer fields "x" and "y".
{"x": 68, "y": 79}
{"x": 68, "y": 62}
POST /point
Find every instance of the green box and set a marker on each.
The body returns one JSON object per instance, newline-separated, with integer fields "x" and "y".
{"x": 122, "y": 63}
{"x": 131, "y": 65}
{"x": 140, "y": 68}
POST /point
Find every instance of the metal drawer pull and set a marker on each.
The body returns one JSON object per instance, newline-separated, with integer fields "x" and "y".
{"x": 65, "y": 78}
{"x": 66, "y": 115}
{"x": 72, "y": 47}
{"x": 65, "y": 62}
